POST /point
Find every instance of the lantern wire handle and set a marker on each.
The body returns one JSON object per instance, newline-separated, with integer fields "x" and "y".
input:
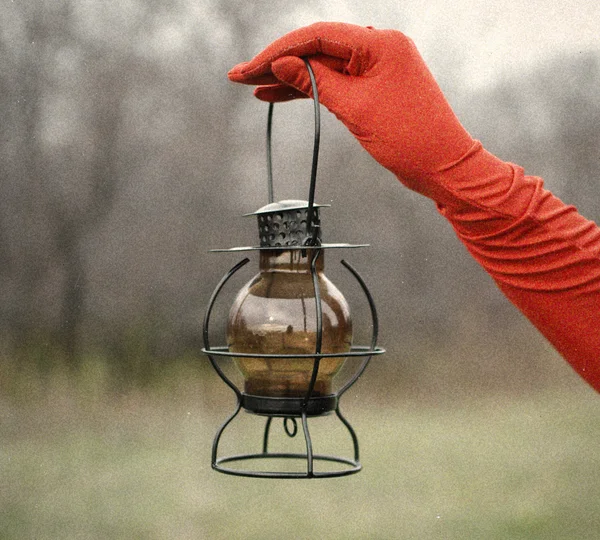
{"x": 296, "y": 413}
{"x": 310, "y": 229}
{"x": 315, "y": 160}
{"x": 269, "y": 154}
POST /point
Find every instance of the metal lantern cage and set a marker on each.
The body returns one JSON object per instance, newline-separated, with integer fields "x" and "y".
{"x": 292, "y": 409}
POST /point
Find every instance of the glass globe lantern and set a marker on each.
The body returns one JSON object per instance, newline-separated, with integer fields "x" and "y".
{"x": 289, "y": 333}
{"x": 274, "y": 313}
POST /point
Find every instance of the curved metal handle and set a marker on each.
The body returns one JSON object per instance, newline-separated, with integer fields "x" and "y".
{"x": 205, "y": 325}
{"x": 375, "y": 323}
{"x": 315, "y": 160}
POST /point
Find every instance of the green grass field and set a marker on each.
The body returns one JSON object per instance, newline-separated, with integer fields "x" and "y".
{"x": 80, "y": 463}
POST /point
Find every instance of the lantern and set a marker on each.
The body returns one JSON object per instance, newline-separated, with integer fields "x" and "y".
{"x": 290, "y": 333}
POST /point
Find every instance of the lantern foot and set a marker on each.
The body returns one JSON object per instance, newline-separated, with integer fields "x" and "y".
{"x": 352, "y": 466}
{"x": 259, "y": 461}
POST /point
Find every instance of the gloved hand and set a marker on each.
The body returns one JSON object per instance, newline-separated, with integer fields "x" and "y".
{"x": 542, "y": 254}
{"x": 377, "y": 84}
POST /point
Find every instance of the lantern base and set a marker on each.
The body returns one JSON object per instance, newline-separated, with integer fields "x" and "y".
{"x": 350, "y": 466}
{"x": 267, "y": 464}
{"x": 286, "y": 406}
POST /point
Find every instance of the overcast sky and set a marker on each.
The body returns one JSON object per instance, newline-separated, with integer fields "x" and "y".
{"x": 488, "y": 39}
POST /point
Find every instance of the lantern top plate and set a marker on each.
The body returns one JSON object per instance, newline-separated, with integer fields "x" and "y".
{"x": 284, "y": 206}
{"x": 278, "y": 248}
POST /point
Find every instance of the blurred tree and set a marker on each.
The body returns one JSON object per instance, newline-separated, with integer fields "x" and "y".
{"x": 25, "y": 236}
{"x": 570, "y": 94}
{"x": 547, "y": 121}
{"x": 124, "y": 152}
{"x": 64, "y": 168}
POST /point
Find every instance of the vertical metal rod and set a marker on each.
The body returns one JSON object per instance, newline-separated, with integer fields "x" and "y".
{"x": 309, "y": 448}
{"x": 266, "y": 435}
{"x": 319, "y": 321}
{"x": 315, "y": 161}
{"x": 269, "y": 155}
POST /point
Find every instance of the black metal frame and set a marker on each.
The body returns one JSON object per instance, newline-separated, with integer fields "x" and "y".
{"x": 292, "y": 409}
{"x": 301, "y": 408}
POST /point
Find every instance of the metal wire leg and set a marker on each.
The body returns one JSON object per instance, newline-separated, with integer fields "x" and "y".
{"x": 215, "y": 447}
{"x": 352, "y": 434}
{"x": 266, "y": 435}
{"x": 309, "y": 448}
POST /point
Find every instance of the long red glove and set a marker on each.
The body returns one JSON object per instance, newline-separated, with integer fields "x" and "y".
{"x": 542, "y": 254}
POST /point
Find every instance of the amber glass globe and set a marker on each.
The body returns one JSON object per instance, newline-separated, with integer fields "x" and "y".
{"x": 275, "y": 313}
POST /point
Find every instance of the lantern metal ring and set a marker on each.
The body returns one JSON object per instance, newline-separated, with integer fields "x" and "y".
{"x": 310, "y": 405}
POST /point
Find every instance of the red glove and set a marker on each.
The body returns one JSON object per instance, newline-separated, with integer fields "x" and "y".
{"x": 377, "y": 84}
{"x": 543, "y": 255}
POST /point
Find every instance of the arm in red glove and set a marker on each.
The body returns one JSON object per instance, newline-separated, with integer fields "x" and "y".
{"x": 543, "y": 255}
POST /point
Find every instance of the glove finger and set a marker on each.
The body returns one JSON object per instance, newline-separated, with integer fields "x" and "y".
{"x": 286, "y": 92}
{"x": 276, "y": 93}
{"x": 262, "y": 79}
{"x": 292, "y": 71}
{"x": 269, "y": 79}
{"x": 339, "y": 40}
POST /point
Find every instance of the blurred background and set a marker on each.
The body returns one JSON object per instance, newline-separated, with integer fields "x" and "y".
{"x": 126, "y": 155}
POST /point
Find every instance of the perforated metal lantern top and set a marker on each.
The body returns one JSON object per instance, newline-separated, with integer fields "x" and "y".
{"x": 285, "y": 224}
